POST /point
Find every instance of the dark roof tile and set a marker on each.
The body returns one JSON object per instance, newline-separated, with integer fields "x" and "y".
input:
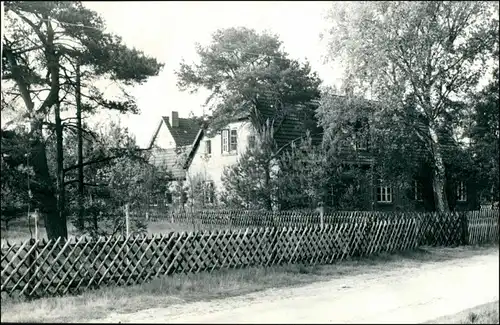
{"x": 185, "y": 133}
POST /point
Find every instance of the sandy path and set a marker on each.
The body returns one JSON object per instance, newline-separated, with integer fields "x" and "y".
{"x": 409, "y": 295}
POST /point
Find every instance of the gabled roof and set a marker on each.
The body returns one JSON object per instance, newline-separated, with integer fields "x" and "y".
{"x": 184, "y": 134}
{"x": 292, "y": 128}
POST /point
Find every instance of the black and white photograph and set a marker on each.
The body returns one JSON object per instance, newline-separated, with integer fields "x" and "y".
{"x": 251, "y": 162}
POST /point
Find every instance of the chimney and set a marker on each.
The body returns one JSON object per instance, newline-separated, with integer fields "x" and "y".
{"x": 175, "y": 119}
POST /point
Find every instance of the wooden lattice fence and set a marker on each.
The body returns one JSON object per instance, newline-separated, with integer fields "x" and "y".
{"x": 483, "y": 227}
{"x": 238, "y": 219}
{"x": 57, "y": 267}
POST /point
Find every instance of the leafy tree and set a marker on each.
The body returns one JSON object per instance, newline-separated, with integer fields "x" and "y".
{"x": 485, "y": 139}
{"x": 44, "y": 47}
{"x": 249, "y": 75}
{"x": 15, "y": 176}
{"x": 246, "y": 184}
{"x": 304, "y": 176}
{"x": 299, "y": 178}
{"x": 127, "y": 182}
{"x": 417, "y": 59}
{"x": 356, "y": 130}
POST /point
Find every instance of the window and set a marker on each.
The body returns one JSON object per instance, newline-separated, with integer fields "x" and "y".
{"x": 184, "y": 197}
{"x": 233, "y": 143}
{"x": 229, "y": 141}
{"x": 168, "y": 198}
{"x": 209, "y": 192}
{"x": 251, "y": 141}
{"x": 361, "y": 142}
{"x": 417, "y": 190}
{"x": 225, "y": 140}
{"x": 208, "y": 147}
{"x": 384, "y": 193}
{"x": 461, "y": 192}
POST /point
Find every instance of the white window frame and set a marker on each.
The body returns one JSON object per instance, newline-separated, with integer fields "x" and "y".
{"x": 417, "y": 189}
{"x": 169, "y": 199}
{"x": 229, "y": 142}
{"x": 225, "y": 141}
{"x": 461, "y": 192}
{"x": 208, "y": 147}
{"x": 233, "y": 140}
{"x": 384, "y": 193}
{"x": 251, "y": 141}
{"x": 360, "y": 142}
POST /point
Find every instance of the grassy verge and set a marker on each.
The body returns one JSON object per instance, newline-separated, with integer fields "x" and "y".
{"x": 482, "y": 314}
{"x": 181, "y": 288}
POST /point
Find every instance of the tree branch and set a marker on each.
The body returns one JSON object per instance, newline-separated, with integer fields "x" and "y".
{"x": 37, "y": 47}
{"x": 91, "y": 162}
{"x": 18, "y": 78}
{"x": 74, "y": 126}
{"x": 35, "y": 28}
{"x": 85, "y": 184}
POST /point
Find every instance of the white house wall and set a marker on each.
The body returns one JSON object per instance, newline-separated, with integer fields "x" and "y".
{"x": 164, "y": 138}
{"x": 212, "y": 166}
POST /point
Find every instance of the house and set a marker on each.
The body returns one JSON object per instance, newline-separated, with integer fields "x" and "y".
{"x": 171, "y": 145}
{"x": 214, "y": 151}
{"x": 373, "y": 193}
{"x": 173, "y": 137}
{"x": 196, "y": 155}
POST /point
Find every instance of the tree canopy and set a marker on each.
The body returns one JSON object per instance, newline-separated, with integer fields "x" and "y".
{"x": 248, "y": 74}
{"x": 485, "y": 138}
{"x": 419, "y": 60}
{"x": 46, "y": 47}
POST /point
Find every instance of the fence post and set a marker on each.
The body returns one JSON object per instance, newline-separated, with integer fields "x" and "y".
{"x": 127, "y": 226}
{"x": 31, "y": 266}
{"x": 465, "y": 228}
{"x": 322, "y": 217}
{"x": 36, "y": 224}
{"x": 418, "y": 220}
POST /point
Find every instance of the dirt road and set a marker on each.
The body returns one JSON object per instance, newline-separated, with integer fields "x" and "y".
{"x": 410, "y": 295}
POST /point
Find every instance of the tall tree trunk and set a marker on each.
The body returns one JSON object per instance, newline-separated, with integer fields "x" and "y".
{"x": 439, "y": 174}
{"x": 43, "y": 190}
{"x": 81, "y": 224}
{"x": 61, "y": 227}
{"x": 52, "y": 56}
{"x": 61, "y": 195}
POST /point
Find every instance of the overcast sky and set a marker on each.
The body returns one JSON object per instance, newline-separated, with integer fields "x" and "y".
{"x": 169, "y": 30}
